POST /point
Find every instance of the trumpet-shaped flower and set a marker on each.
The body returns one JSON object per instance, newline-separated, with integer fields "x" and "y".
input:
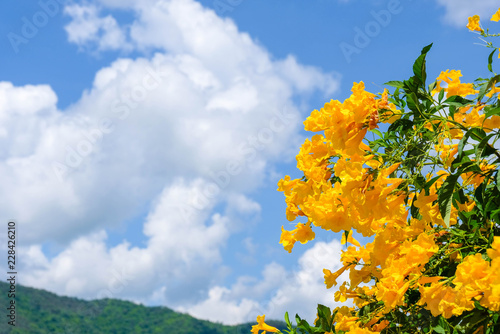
{"x": 262, "y": 326}
{"x": 473, "y": 24}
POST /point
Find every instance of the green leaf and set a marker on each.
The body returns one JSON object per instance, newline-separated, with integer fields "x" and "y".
{"x": 490, "y": 60}
{"x": 397, "y": 84}
{"x": 478, "y": 194}
{"x": 439, "y": 329}
{"x": 429, "y": 183}
{"x": 303, "y": 324}
{"x": 377, "y": 132}
{"x": 474, "y": 133}
{"x": 419, "y": 69}
{"x": 483, "y": 148}
{"x": 400, "y": 125}
{"x": 486, "y": 88}
{"x": 324, "y": 311}
{"x": 467, "y": 165}
{"x": 432, "y": 86}
{"x": 324, "y": 318}
{"x": 457, "y": 100}
{"x": 441, "y": 95}
{"x": 491, "y": 111}
{"x": 477, "y": 134}
{"x": 410, "y": 85}
{"x": 419, "y": 66}
{"x": 498, "y": 180}
{"x": 461, "y": 145}
{"x": 445, "y": 196}
{"x": 414, "y": 211}
{"x": 412, "y": 101}
{"x": 426, "y": 49}
{"x": 287, "y": 320}
{"x": 482, "y": 91}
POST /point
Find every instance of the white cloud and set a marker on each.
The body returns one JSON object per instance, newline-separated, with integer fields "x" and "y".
{"x": 297, "y": 291}
{"x": 196, "y": 126}
{"x": 457, "y": 11}
{"x": 177, "y": 271}
{"x": 184, "y": 244}
{"x": 146, "y": 121}
{"x": 88, "y": 28}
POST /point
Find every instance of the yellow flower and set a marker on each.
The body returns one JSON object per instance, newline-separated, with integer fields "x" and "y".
{"x": 379, "y": 327}
{"x": 287, "y": 239}
{"x": 447, "y": 153}
{"x": 331, "y": 278}
{"x": 391, "y": 291}
{"x": 418, "y": 252}
{"x": 304, "y": 233}
{"x": 357, "y": 276}
{"x": 455, "y": 87}
{"x": 262, "y": 326}
{"x": 431, "y": 296}
{"x": 491, "y": 298}
{"x": 344, "y": 292}
{"x": 473, "y": 24}
{"x": 359, "y": 330}
{"x": 344, "y": 319}
{"x": 494, "y": 252}
{"x": 496, "y": 16}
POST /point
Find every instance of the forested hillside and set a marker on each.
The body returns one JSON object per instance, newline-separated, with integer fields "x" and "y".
{"x": 39, "y": 311}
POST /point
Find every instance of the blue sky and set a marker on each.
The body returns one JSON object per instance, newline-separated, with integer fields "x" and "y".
{"x": 142, "y": 141}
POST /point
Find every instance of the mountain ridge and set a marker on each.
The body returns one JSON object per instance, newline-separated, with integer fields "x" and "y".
{"x": 40, "y": 311}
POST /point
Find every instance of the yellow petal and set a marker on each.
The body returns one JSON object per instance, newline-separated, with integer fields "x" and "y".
{"x": 496, "y": 16}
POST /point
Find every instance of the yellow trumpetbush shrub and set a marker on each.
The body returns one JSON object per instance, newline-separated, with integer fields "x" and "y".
{"x": 415, "y": 172}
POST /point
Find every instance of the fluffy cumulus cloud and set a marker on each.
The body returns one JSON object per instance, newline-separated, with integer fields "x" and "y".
{"x": 298, "y": 290}
{"x": 183, "y": 249}
{"x": 187, "y": 132}
{"x": 457, "y": 11}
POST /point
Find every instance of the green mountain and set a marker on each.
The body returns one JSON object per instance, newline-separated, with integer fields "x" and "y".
{"x": 40, "y": 311}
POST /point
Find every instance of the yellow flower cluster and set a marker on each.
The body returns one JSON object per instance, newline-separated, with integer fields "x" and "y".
{"x": 347, "y": 187}
{"x": 475, "y": 279}
{"x": 416, "y": 221}
{"x": 454, "y": 86}
{"x": 349, "y": 202}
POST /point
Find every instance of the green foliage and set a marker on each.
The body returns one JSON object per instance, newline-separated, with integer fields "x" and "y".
{"x": 43, "y": 312}
{"x": 445, "y": 150}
